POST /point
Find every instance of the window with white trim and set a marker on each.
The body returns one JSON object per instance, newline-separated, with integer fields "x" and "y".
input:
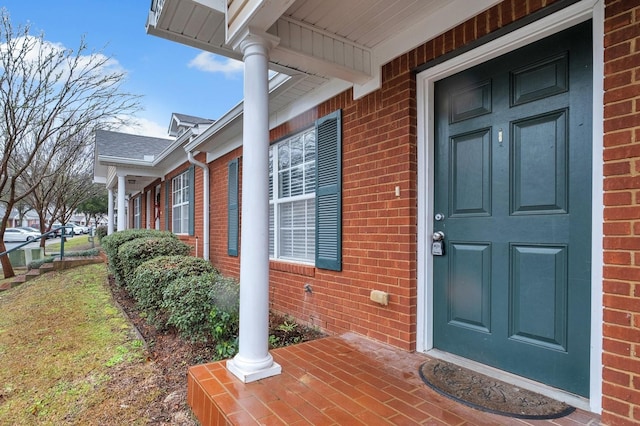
{"x": 180, "y": 203}
{"x": 292, "y": 182}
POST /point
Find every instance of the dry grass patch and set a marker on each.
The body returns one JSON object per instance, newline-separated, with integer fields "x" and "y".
{"x": 68, "y": 355}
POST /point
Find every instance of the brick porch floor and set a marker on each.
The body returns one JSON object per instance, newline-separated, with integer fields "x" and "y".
{"x": 346, "y": 380}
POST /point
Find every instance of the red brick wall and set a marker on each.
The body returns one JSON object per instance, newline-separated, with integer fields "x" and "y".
{"x": 198, "y": 200}
{"x": 218, "y": 214}
{"x": 379, "y": 229}
{"x": 188, "y": 239}
{"x": 621, "y": 285}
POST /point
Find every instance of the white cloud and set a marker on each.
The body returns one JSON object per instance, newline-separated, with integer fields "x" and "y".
{"x": 146, "y": 127}
{"x": 208, "y": 62}
{"x": 59, "y": 58}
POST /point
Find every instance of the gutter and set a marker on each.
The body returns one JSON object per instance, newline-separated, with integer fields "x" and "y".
{"x": 205, "y": 203}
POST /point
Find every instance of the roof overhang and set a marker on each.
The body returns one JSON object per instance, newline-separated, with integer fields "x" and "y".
{"x": 342, "y": 40}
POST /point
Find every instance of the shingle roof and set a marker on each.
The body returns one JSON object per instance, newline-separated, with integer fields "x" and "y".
{"x": 192, "y": 119}
{"x": 125, "y": 145}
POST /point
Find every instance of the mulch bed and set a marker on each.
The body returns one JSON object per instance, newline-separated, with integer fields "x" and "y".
{"x": 174, "y": 356}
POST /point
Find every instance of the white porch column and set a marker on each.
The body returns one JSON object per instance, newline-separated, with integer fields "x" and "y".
{"x": 253, "y": 361}
{"x": 121, "y": 208}
{"x": 110, "y": 212}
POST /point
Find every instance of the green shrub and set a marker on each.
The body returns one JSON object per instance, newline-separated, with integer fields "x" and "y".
{"x": 189, "y": 301}
{"x": 111, "y": 243}
{"x": 38, "y": 263}
{"x": 135, "y": 252}
{"x": 83, "y": 253}
{"x": 101, "y": 232}
{"x": 153, "y": 276}
{"x": 224, "y": 318}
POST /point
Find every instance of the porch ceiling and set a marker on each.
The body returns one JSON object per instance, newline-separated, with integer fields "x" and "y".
{"x": 345, "y": 39}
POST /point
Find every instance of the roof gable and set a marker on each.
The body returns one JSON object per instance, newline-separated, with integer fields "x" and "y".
{"x": 180, "y": 123}
{"x": 125, "y": 145}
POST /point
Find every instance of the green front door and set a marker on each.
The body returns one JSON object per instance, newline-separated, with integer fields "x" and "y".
{"x": 513, "y": 199}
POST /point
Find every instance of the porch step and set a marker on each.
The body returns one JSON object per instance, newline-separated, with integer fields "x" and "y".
{"x": 14, "y": 283}
{"x": 46, "y": 267}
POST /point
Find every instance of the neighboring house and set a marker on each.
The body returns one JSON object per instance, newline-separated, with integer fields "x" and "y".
{"x": 129, "y": 164}
{"x": 28, "y": 218}
{"x": 464, "y": 158}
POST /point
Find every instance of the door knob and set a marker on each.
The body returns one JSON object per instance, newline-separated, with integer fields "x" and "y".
{"x": 438, "y": 236}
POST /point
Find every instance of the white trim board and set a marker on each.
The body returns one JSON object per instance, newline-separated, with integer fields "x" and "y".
{"x": 563, "y": 19}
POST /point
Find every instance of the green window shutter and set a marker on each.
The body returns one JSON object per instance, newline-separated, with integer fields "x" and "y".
{"x": 167, "y": 194}
{"x": 329, "y": 192}
{"x": 192, "y": 199}
{"x": 232, "y": 207}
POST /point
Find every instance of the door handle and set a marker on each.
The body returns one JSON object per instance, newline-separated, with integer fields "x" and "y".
{"x": 438, "y": 236}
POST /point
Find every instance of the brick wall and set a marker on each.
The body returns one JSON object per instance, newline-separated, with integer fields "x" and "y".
{"x": 188, "y": 239}
{"x": 621, "y": 285}
{"x": 198, "y": 200}
{"x": 218, "y": 214}
{"x": 379, "y": 228}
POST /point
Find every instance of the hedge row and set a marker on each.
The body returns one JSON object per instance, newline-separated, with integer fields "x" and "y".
{"x": 111, "y": 245}
{"x": 155, "y": 275}
{"x": 173, "y": 288}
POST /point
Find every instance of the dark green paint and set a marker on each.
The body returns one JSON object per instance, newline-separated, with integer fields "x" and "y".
{"x": 513, "y": 288}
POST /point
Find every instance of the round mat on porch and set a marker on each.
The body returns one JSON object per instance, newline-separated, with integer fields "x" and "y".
{"x": 488, "y": 394}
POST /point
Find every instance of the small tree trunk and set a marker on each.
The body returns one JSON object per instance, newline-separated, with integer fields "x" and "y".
{"x": 7, "y": 269}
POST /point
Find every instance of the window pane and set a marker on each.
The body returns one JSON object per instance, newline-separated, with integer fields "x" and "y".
{"x": 310, "y": 178}
{"x": 180, "y": 203}
{"x": 271, "y": 231}
{"x": 286, "y": 246}
{"x": 283, "y": 156}
{"x": 185, "y": 219}
{"x": 296, "y": 151}
{"x": 297, "y": 180}
{"x": 299, "y": 246}
{"x": 299, "y": 214}
{"x": 286, "y": 215}
{"x": 283, "y": 181}
{"x": 176, "y": 220}
{"x": 271, "y": 173}
{"x": 311, "y": 243}
{"x": 310, "y": 146}
{"x": 292, "y": 223}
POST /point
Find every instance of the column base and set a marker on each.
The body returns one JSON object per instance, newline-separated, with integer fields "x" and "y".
{"x": 247, "y": 376}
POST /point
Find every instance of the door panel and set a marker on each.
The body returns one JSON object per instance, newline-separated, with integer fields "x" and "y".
{"x": 539, "y": 170}
{"x": 539, "y": 295}
{"x": 513, "y": 180}
{"x": 471, "y": 174}
{"x": 470, "y": 288}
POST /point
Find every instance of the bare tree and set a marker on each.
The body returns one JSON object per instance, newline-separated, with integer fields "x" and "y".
{"x": 49, "y": 96}
{"x": 96, "y": 206}
{"x": 73, "y": 188}
{"x": 50, "y": 173}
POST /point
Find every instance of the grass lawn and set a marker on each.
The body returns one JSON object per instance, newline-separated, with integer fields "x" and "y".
{"x": 68, "y": 355}
{"x": 80, "y": 242}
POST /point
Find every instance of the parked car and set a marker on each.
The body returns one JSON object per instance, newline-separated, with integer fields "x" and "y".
{"x": 32, "y": 229}
{"x": 77, "y": 230}
{"x": 57, "y": 228}
{"x": 20, "y": 235}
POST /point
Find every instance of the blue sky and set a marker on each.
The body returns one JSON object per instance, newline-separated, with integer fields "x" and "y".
{"x": 171, "y": 77}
